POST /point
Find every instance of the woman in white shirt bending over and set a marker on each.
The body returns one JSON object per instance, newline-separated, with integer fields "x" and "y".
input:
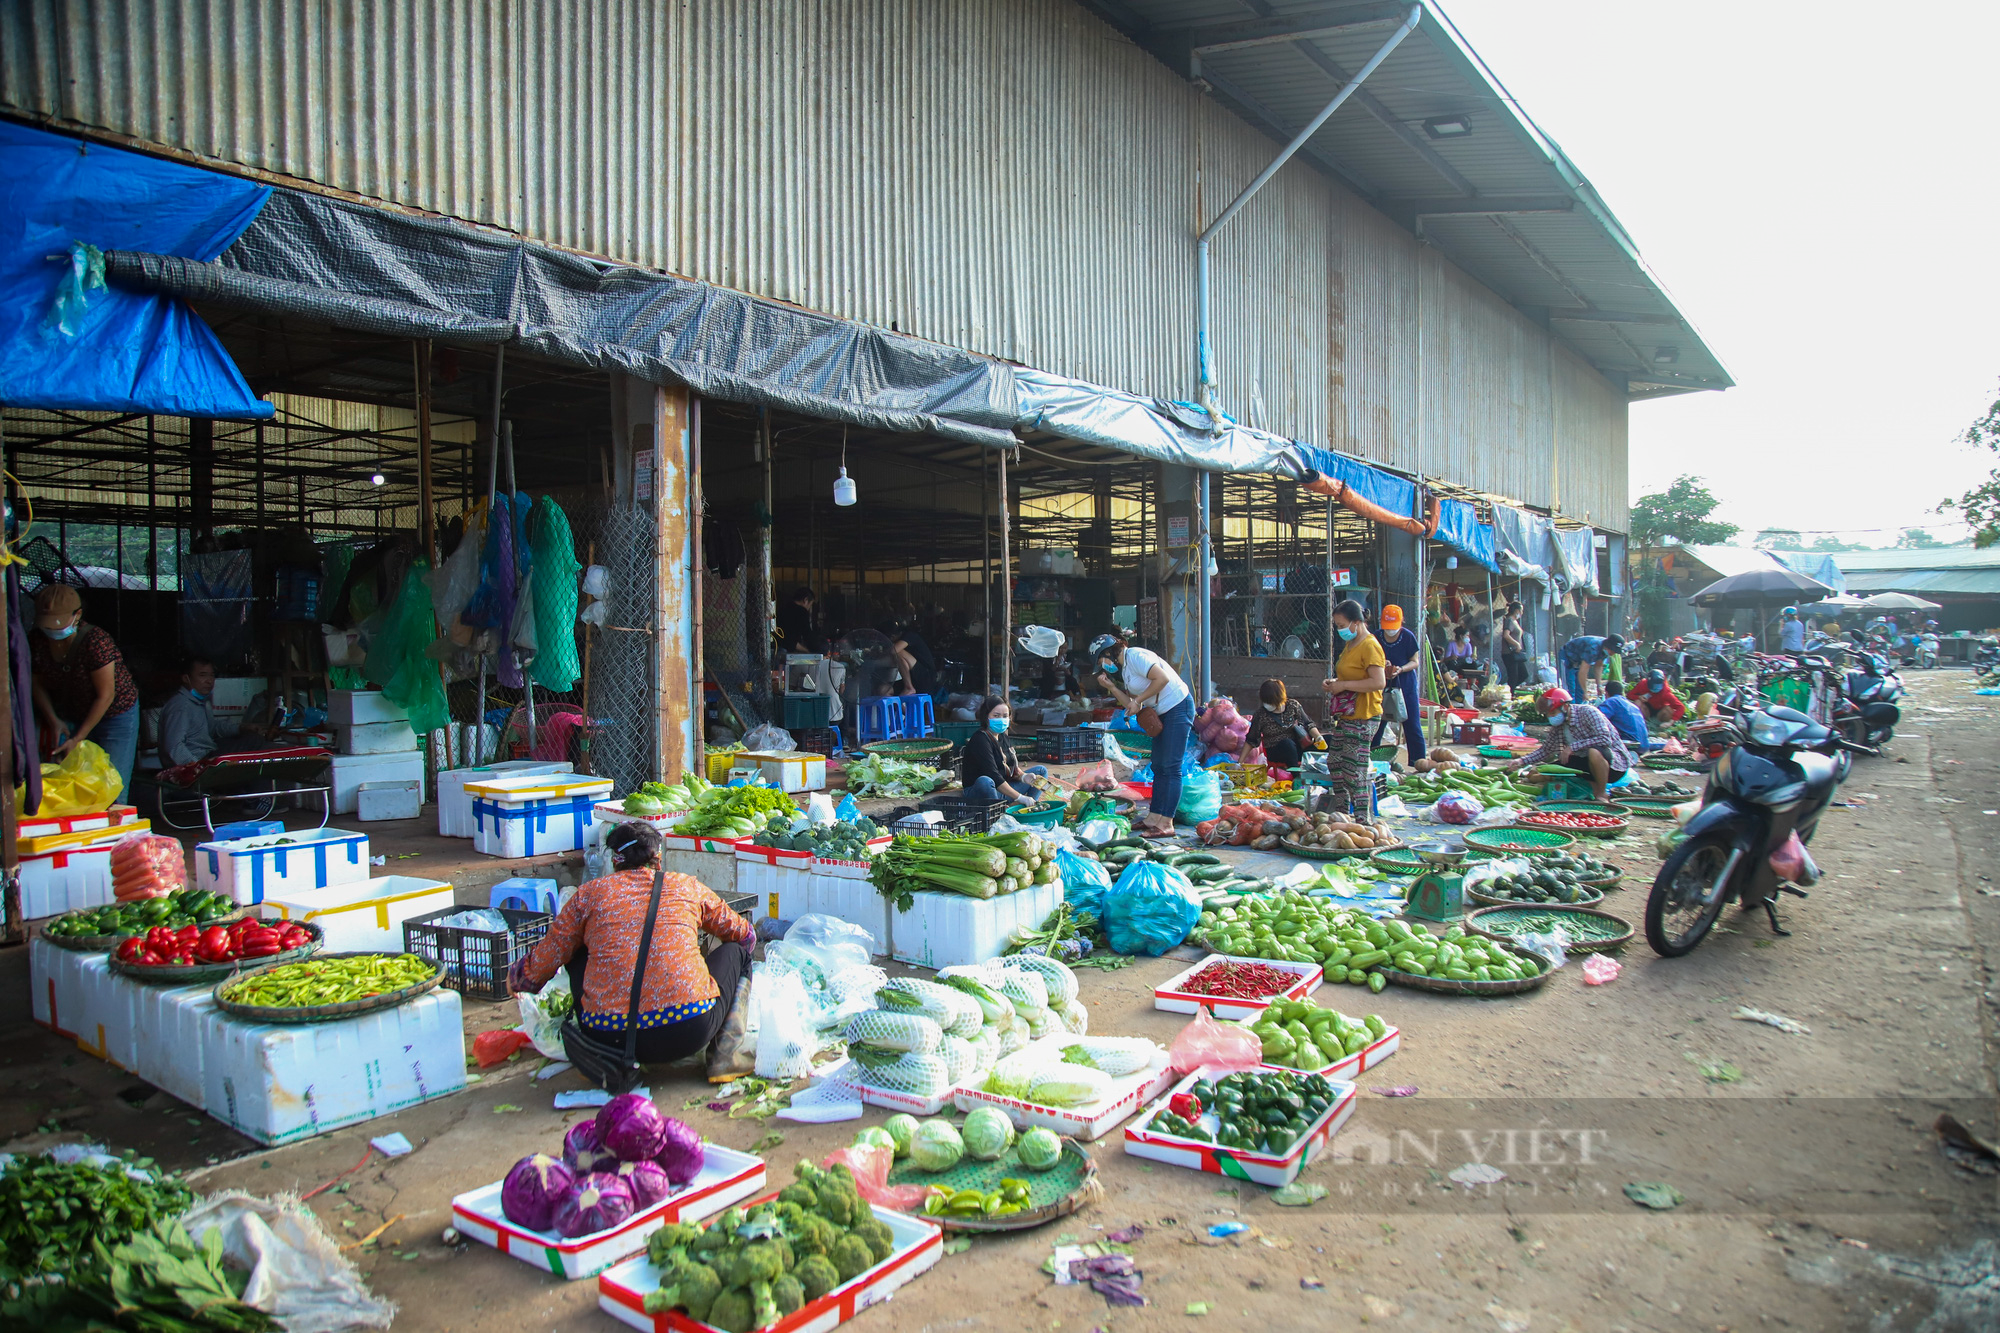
{"x": 1153, "y": 692}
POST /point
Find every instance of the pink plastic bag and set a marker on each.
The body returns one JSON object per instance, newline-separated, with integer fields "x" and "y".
{"x": 1097, "y": 777}
{"x": 1789, "y": 861}
{"x": 1597, "y": 969}
{"x": 1207, "y": 1044}
{"x": 870, "y": 1166}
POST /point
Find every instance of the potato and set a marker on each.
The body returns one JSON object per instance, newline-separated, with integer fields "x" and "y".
{"x": 1440, "y": 755}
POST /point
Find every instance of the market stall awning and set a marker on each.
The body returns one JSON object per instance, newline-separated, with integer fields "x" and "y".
{"x": 67, "y": 341}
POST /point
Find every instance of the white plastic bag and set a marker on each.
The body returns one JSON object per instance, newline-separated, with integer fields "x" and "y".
{"x": 1491, "y": 870}
{"x": 1548, "y": 944}
{"x": 1495, "y": 815}
{"x": 835, "y": 945}
{"x": 297, "y": 1272}
{"x": 454, "y": 581}
{"x": 769, "y": 738}
{"x": 543, "y": 1028}
{"x": 819, "y": 809}
{"x": 786, "y": 1036}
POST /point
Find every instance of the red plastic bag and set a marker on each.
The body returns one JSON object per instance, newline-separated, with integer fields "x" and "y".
{"x": 147, "y": 865}
{"x": 1789, "y": 861}
{"x": 1207, "y": 1044}
{"x": 870, "y": 1166}
{"x": 498, "y": 1045}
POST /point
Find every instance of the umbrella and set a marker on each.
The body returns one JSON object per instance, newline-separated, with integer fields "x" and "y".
{"x": 1760, "y": 588}
{"x": 1897, "y": 601}
{"x": 1841, "y": 601}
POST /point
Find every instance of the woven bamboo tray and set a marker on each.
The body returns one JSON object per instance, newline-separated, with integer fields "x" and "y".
{"x": 326, "y": 1013}
{"x": 1661, "y": 763}
{"x": 918, "y": 750}
{"x": 1332, "y": 853}
{"x": 1527, "y": 818}
{"x": 1476, "y": 923}
{"x": 1399, "y": 860}
{"x": 1648, "y": 807}
{"x": 200, "y": 973}
{"x": 1446, "y": 986}
{"x": 1068, "y": 1186}
{"x": 1516, "y": 841}
{"x": 1492, "y": 900}
{"x": 106, "y": 943}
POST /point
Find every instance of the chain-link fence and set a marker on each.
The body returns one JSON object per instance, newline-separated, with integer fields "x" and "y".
{"x": 621, "y": 670}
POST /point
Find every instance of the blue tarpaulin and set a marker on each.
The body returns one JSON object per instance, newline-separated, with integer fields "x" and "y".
{"x": 109, "y": 349}
{"x": 1396, "y": 494}
{"x": 1459, "y": 528}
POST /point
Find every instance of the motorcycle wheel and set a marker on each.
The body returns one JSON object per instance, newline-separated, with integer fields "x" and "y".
{"x": 1676, "y": 918}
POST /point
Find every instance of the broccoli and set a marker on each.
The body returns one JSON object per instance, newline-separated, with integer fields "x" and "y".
{"x": 763, "y": 1310}
{"x": 817, "y": 1275}
{"x": 838, "y": 1201}
{"x": 798, "y": 1194}
{"x": 694, "y": 1289}
{"x": 677, "y": 1237}
{"x": 713, "y": 1239}
{"x": 881, "y": 1242}
{"x": 759, "y": 1261}
{"x": 852, "y": 1257}
{"x": 814, "y": 1235}
{"x": 807, "y": 1172}
{"x": 730, "y": 1311}
{"x": 788, "y": 1294}
{"x": 786, "y": 1259}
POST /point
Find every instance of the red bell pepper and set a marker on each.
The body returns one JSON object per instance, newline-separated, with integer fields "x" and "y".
{"x": 150, "y": 959}
{"x": 160, "y": 940}
{"x": 1185, "y": 1105}
{"x": 129, "y": 950}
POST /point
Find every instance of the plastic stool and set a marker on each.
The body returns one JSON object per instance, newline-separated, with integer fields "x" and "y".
{"x": 918, "y": 717}
{"x": 881, "y": 718}
{"x": 533, "y": 895}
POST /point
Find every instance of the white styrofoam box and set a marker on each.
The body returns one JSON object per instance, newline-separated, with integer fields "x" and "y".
{"x": 1369, "y": 1056}
{"x": 351, "y": 770}
{"x": 716, "y": 871}
{"x": 279, "y": 1082}
{"x": 455, "y": 807}
{"x": 614, "y": 812}
{"x": 31, "y": 827}
{"x": 952, "y": 930}
{"x": 377, "y": 801}
{"x": 348, "y": 708}
{"x": 54, "y": 998}
{"x": 786, "y": 895}
{"x": 855, "y": 901}
{"x": 364, "y": 916}
{"x": 726, "y": 1176}
{"x": 373, "y": 737}
{"x": 800, "y": 771}
{"x": 1274, "y": 1169}
{"x": 246, "y": 869}
{"x": 889, "y": 1099}
{"x": 622, "y": 1290}
{"x": 535, "y": 816}
{"x": 231, "y": 696}
{"x": 67, "y": 880}
{"x": 107, "y": 1018}
{"x": 1085, "y": 1122}
{"x": 172, "y": 1027}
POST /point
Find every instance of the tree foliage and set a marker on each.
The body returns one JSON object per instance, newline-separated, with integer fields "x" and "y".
{"x": 1680, "y": 512}
{"x": 1980, "y": 507}
{"x": 1916, "y": 539}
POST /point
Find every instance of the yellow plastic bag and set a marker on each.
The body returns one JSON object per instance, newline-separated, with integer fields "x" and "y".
{"x": 84, "y": 783}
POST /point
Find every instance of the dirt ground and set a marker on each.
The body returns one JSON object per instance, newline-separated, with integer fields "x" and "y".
{"x": 1816, "y": 1195}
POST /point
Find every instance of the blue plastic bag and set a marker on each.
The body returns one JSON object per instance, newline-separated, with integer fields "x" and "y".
{"x": 1084, "y": 882}
{"x": 1201, "y": 797}
{"x": 1150, "y": 909}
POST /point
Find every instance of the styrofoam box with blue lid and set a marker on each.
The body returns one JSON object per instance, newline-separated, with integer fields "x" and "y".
{"x": 279, "y": 1082}
{"x": 534, "y": 816}
{"x": 248, "y": 870}
{"x": 365, "y": 916}
{"x": 455, "y": 807}
{"x": 952, "y": 930}
{"x": 726, "y": 1177}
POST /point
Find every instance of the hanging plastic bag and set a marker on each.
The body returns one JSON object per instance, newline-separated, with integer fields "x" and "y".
{"x": 1789, "y": 861}
{"x": 1150, "y": 909}
{"x": 1084, "y": 882}
{"x": 1218, "y": 1047}
{"x": 457, "y": 578}
{"x": 85, "y": 782}
{"x": 1201, "y": 797}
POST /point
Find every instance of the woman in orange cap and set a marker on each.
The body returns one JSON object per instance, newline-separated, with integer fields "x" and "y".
{"x": 1399, "y": 645}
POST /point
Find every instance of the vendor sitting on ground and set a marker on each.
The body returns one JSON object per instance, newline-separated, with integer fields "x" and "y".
{"x": 1461, "y": 661}
{"x": 1281, "y": 727}
{"x": 1657, "y": 697}
{"x": 188, "y": 729}
{"x": 1580, "y": 737}
{"x": 1626, "y": 717}
{"x": 992, "y": 771}
{"x": 685, "y": 999}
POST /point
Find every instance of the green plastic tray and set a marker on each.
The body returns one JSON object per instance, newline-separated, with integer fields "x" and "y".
{"x": 1046, "y": 815}
{"x": 1523, "y": 841}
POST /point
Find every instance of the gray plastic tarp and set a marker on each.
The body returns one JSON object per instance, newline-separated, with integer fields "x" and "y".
{"x": 1145, "y": 427}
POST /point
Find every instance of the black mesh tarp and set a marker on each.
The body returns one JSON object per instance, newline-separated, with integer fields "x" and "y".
{"x": 376, "y": 271}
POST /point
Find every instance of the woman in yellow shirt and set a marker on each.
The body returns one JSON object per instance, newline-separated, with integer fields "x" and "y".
{"x": 1354, "y": 701}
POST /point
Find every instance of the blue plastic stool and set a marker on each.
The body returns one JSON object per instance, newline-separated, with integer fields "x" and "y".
{"x": 881, "y": 718}
{"x": 532, "y": 895}
{"x": 919, "y": 719}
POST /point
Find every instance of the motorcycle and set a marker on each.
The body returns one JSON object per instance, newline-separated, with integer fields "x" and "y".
{"x": 1871, "y": 691}
{"x": 1776, "y": 782}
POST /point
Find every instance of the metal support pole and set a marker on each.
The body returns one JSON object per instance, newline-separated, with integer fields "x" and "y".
{"x": 1205, "y": 589}
{"x": 986, "y": 566}
{"x": 770, "y": 657}
{"x": 1006, "y": 591}
{"x": 420, "y": 352}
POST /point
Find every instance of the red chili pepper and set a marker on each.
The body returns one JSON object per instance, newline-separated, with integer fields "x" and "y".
{"x": 1240, "y": 981}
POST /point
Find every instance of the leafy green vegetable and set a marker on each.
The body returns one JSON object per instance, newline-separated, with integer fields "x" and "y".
{"x": 874, "y": 775}
{"x": 51, "y": 1212}
{"x": 159, "y": 1280}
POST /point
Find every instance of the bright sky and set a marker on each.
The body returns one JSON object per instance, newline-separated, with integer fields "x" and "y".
{"x": 1814, "y": 185}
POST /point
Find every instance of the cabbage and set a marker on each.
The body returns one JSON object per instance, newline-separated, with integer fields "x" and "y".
{"x": 935, "y": 1146}
{"x": 901, "y": 1128}
{"x": 631, "y": 1128}
{"x": 599, "y": 1202}
{"x": 584, "y": 1151}
{"x": 988, "y": 1134}
{"x": 876, "y": 1137}
{"x": 1040, "y": 1149}
{"x": 534, "y": 1189}
{"x": 643, "y": 803}
{"x": 648, "y": 1182}
{"x": 681, "y": 1155}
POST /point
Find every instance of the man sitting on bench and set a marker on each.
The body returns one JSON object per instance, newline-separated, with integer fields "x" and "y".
{"x": 188, "y": 728}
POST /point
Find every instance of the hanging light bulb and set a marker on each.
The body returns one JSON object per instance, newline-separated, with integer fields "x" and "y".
{"x": 375, "y": 479}
{"x": 843, "y": 485}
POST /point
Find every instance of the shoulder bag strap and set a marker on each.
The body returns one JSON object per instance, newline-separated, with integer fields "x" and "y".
{"x": 639, "y": 969}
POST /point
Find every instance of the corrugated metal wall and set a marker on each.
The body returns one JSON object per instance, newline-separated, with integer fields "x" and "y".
{"x": 1007, "y": 176}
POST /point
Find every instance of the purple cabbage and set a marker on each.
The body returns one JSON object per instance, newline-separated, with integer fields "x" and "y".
{"x": 647, "y": 1181}
{"x": 681, "y": 1153}
{"x": 534, "y": 1189}
{"x": 599, "y": 1202}
{"x": 631, "y": 1128}
{"x": 585, "y": 1151}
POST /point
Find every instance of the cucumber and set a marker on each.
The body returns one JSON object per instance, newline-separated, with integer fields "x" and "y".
{"x": 1184, "y": 859}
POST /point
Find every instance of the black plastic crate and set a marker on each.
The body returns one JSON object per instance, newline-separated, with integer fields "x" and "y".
{"x": 475, "y": 961}
{"x": 978, "y": 816}
{"x": 1069, "y": 745}
{"x": 950, "y": 823}
{"x": 814, "y": 740}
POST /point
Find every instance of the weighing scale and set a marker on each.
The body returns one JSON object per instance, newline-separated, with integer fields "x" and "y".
{"x": 1438, "y": 894}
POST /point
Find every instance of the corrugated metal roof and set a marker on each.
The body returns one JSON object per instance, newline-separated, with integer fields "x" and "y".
{"x": 1960, "y": 557}
{"x": 1503, "y": 201}
{"x": 1964, "y": 582}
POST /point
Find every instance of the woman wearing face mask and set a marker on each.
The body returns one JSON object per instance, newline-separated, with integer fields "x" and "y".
{"x": 992, "y": 772}
{"x": 1354, "y": 701}
{"x": 82, "y": 690}
{"x": 1281, "y": 726}
{"x": 1153, "y": 692}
